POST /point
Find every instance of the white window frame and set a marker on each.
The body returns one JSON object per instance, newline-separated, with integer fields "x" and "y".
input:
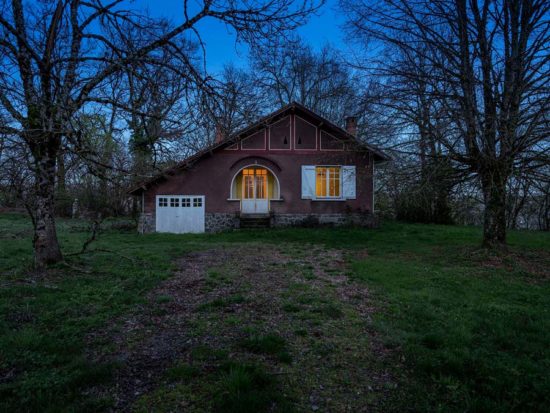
{"x": 340, "y": 187}
{"x": 197, "y": 202}
{"x": 348, "y": 183}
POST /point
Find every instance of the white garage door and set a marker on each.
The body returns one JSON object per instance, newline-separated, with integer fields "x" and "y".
{"x": 179, "y": 214}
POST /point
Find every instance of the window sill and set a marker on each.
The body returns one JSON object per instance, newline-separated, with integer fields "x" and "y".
{"x": 329, "y": 199}
{"x": 274, "y": 199}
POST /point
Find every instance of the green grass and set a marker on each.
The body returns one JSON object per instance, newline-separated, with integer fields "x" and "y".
{"x": 481, "y": 340}
{"x": 44, "y": 321}
{"x": 223, "y": 302}
{"x": 330, "y": 310}
{"x": 271, "y": 344}
{"x": 245, "y": 388}
{"x": 466, "y": 330}
{"x": 230, "y": 387}
{"x": 182, "y": 372}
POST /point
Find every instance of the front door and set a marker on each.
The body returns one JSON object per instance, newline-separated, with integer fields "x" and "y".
{"x": 255, "y": 200}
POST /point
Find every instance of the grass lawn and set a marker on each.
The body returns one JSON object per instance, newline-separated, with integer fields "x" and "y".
{"x": 407, "y": 317}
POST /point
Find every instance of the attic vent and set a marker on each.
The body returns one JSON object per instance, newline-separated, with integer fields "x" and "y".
{"x": 299, "y": 140}
{"x": 285, "y": 141}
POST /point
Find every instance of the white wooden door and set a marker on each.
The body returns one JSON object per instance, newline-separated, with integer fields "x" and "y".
{"x": 180, "y": 214}
{"x": 255, "y": 193}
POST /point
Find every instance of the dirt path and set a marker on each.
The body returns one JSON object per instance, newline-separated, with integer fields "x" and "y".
{"x": 290, "y": 309}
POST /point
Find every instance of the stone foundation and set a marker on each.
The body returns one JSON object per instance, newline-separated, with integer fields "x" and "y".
{"x": 216, "y": 222}
{"x": 312, "y": 220}
{"x": 146, "y": 223}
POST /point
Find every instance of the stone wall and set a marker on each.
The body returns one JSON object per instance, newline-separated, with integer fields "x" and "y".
{"x": 146, "y": 223}
{"x": 216, "y": 222}
{"x": 366, "y": 220}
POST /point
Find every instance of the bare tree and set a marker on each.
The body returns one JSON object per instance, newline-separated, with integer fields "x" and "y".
{"x": 486, "y": 64}
{"x": 157, "y": 103}
{"x": 423, "y": 171}
{"x": 238, "y": 103}
{"x": 290, "y": 70}
{"x": 59, "y": 57}
{"x": 15, "y": 177}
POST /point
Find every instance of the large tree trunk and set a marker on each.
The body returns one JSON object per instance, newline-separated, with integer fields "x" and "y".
{"x": 46, "y": 245}
{"x": 494, "y": 220}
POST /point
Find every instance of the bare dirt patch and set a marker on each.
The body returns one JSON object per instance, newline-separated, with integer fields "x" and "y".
{"x": 221, "y": 298}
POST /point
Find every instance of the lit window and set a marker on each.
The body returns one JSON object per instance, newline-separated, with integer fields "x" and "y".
{"x": 174, "y": 202}
{"x": 197, "y": 202}
{"x": 248, "y": 186}
{"x": 254, "y": 183}
{"x": 186, "y": 202}
{"x": 163, "y": 202}
{"x": 327, "y": 181}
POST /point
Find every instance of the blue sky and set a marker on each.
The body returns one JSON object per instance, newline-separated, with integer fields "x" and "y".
{"x": 323, "y": 28}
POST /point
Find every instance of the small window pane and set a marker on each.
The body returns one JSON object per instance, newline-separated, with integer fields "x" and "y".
{"x": 327, "y": 182}
{"x": 163, "y": 202}
{"x": 174, "y": 202}
{"x": 197, "y": 202}
{"x": 248, "y": 187}
{"x": 186, "y": 202}
{"x": 334, "y": 183}
{"x": 321, "y": 182}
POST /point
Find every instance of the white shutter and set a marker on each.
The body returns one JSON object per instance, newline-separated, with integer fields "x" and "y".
{"x": 348, "y": 181}
{"x": 308, "y": 181}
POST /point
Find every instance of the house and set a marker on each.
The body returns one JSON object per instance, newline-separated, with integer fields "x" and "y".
{"x": 291, "y": 167}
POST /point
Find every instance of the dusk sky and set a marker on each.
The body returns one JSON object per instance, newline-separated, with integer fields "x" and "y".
{"x": 323, "y": 28}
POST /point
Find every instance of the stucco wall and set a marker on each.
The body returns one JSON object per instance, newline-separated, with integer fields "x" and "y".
{"x": 212, "y": 175}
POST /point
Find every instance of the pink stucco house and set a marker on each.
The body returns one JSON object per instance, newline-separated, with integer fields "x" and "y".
{"x": 289, "y": 168}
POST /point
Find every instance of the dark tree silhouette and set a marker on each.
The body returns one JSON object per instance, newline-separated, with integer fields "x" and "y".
{"x": 58, "y": 58}
{"x": 486, "y": 66}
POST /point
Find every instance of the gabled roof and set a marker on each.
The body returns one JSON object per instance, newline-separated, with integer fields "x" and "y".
{"x": 265, "y": 121}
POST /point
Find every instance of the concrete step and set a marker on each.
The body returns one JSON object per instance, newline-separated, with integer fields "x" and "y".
{"x": 255, "y": 222}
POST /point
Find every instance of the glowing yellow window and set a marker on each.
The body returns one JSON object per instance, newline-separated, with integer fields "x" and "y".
{"x": 248, "y": 183}
{"x": 327, "y": 181}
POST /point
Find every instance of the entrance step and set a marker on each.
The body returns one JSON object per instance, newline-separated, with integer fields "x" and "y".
{"x": 250, "y": 221}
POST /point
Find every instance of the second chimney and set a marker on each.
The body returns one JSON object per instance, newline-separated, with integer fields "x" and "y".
{"x": 351, "y": 125}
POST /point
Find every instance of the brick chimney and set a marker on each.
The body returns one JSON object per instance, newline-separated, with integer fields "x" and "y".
{"x": 219, "y": 135}
{"x": 351, "y": 125}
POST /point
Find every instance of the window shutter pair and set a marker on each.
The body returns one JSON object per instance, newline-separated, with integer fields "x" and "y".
{"x": 348, "y": 182}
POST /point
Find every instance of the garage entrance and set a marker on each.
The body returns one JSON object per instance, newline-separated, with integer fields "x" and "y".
{"x": 180, "y": 214}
